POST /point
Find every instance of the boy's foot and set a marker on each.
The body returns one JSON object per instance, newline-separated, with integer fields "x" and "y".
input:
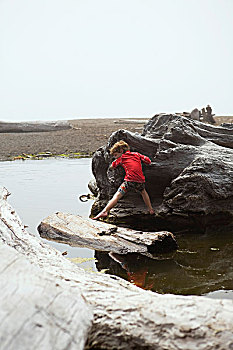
{"x": 102, "y": 214}
{"x": 151, "y": 212}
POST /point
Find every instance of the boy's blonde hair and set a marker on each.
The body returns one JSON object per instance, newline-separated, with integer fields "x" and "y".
{"x": 120, "y": 146}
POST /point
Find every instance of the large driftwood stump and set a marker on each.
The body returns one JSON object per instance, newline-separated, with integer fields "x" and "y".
{"x": 125, "y": 317}
{"x": 78, "y": 231}
{"x": 189, "y": 181}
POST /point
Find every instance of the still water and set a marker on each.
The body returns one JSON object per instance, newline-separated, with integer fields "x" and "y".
{"x": 40, "y": 188}
{"x": 203, "y": 265}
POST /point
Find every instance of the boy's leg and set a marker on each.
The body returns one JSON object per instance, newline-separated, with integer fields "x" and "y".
{"x": 147, "y": 201}
{"x": 109, "y": 206}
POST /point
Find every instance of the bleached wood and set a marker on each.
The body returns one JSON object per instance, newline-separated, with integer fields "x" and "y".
{"x": 76, "y": 230}
{"x": 37, "y": 310}
{"x": 126, "y": 317}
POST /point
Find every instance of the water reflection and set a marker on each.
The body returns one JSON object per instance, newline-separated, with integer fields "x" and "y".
{"x": 202, "y": 264}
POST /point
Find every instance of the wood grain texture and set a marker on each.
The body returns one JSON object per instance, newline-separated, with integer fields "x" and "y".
{"x": 125, "y": 317}
{"x": 76, "y": 230}
{"x": 37, "y": 310}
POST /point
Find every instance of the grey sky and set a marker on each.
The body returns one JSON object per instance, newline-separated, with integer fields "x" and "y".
{"x": 64, "y": 59}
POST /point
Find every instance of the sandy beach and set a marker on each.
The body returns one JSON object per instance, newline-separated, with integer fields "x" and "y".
{"x": 85, "y": 137}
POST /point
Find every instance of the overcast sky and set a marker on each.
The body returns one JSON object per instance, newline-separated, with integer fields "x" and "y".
{"x": 65, "y": 59}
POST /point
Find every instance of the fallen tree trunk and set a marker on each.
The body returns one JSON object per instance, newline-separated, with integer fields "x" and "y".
{"x": 125, "y": 317}
{"x": 78, "y": 231}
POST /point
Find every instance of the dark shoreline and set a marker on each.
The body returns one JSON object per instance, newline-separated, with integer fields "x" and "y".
{"x": 74, "y": 138}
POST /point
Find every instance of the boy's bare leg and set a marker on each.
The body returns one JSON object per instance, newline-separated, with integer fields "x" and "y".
{"x": 147, "y": 201}
{"x": 109, "y": 206}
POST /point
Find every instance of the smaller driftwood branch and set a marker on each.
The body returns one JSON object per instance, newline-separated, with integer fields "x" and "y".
{"x": 76, "y": 230}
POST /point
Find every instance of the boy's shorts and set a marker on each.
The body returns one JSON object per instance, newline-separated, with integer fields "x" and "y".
{"x": 131, "y": 186}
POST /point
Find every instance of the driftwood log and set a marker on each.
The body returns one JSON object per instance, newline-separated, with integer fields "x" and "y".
{"x": 78, "y": 231}
{"x": 34, "y": 126}
{"x": 125, "y": 317}
{"x": 39, "y": 311}
{"x": 189, "y": 181}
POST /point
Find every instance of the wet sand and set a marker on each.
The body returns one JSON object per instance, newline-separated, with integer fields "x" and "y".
{"x": 85, "y": 137}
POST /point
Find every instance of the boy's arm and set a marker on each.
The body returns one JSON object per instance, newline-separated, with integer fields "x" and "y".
{"x": 145, "y": 159}
{"x": 115, "y": 163}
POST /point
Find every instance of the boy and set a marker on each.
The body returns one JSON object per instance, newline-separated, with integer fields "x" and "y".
{"x": 134, "y": 178}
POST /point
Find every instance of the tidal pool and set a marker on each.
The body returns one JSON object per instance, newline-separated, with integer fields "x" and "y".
{"x": 203, "y": 265}
{"x": 40, "y": 188}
